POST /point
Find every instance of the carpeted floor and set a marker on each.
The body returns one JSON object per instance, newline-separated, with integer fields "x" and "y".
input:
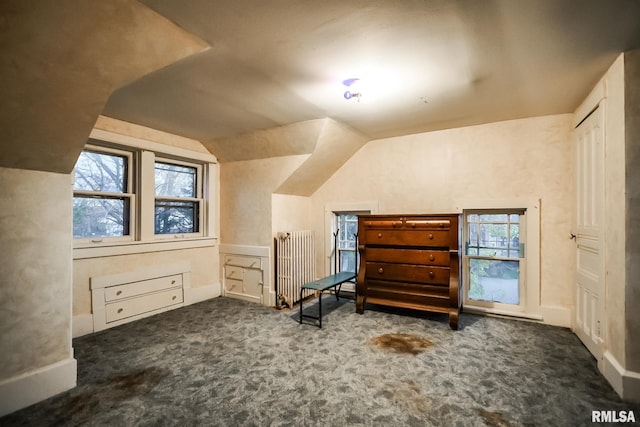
{"x": 226, "y": 362}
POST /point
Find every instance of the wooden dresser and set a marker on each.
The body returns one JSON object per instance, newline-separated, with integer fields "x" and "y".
{"x": 410, "y": 261}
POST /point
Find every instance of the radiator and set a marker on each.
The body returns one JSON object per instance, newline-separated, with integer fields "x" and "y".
{"x": 295, "y": 264}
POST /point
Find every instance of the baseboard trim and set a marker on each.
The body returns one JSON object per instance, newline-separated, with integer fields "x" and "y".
{"x": 556, "y": 316}
{"x": 35, "y": 386}
{"x": 82, "y": 324}
{"x": 202, "y": 293}
{"x": 625, "y": 383}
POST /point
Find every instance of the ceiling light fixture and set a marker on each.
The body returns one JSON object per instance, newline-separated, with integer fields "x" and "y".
{"x": 352, "y": 88}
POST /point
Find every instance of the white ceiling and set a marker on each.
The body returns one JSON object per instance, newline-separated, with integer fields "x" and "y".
{"x": 428, "y": 64}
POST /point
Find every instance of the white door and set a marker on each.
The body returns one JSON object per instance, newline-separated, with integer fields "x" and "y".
{"x": 590, "y": 295}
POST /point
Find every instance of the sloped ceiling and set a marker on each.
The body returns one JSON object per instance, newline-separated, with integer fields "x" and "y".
{"x": 426, "y": 64}
{"x": 60, "y": 62}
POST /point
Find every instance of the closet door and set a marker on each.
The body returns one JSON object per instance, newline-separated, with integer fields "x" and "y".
{"x": 590, "y": 287}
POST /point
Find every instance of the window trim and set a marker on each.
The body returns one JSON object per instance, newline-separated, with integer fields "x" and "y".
{"x": 141, "y": 240}
{"x": 522, "y": 263}
{"x": 129, "y": 193}
{"x": 532, "y": 308}
{"x": 199, "y": 199}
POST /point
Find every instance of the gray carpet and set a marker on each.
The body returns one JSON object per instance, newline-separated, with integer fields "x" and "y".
{"x": 226, "y": 362}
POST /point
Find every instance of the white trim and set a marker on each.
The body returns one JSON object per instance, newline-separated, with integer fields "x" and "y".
{"x": 488, "y": 310}
{"x": 261, "y": 251}
{"x": 143, "y": 247}
{"x": 34, "y": 386}
{"x": 143, "y": 144}
{"x": 82, "y": 324}
{"x": 531, "y": 297}
{"x": 202, "y": 293}
{"x": 557, "y": 316}
{"x": 625, "y": 383}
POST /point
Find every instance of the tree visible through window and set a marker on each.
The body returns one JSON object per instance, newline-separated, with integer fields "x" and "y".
{"x": 494, "y": 253}
{"x": 101, "y": 202}
{"x": 177, "y": 204}
{"x": 346, "y": 241}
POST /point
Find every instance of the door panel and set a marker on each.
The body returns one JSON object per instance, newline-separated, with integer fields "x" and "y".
{"x": 589, "y": 149}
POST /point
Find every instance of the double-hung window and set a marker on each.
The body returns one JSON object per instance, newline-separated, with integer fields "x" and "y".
{"x": 494, "y": 258}
{"x": 347, "y": 230}
{"x": 178, "y": 197}
{"x": 103, "y": 197}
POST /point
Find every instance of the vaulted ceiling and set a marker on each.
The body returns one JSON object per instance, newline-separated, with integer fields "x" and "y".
{"x": 247, "y": 76}
{"x": 424, "y": 64}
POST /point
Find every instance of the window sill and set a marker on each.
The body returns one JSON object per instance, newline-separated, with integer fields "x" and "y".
{"x": 129, "y": 248}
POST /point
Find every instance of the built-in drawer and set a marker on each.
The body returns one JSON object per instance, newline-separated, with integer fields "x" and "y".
{"x": 242, "y": 261}
{"x": 234, "y": 285}
{"x": 135, "y": 306}
{"x": 408, "y": 256}
{"x": 233, "y": 272}
{"x": 408, "y": 273}
{"x": 404, "y": 237}
{"x": 114, "y": 293}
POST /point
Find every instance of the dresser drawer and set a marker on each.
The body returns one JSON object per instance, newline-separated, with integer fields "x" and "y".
{"x": 403, "y": 237}
{"x": 408, "y": 273}
{"x": 114, "y": 293}
{"x": 135, "y": 306}
{"x": 408, "y": 256}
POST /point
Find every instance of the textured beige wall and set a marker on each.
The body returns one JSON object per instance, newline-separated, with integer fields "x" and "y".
{"x": 246, "y": 188}
{"x": 430, "y": 172}
{"x": 632, "y": 153}
{"x": 35, "y": 271}
{"x": 291, "y": 213}
{"x": 204, "y": 270}
{"x": 60, "y": 63}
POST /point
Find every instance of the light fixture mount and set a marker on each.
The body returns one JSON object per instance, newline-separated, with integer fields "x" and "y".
{"x": 351, "y": 92}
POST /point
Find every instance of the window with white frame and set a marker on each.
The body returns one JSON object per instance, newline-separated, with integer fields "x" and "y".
{"x": 178, "y": 197}
{"x": 125, "y": 194}
{"x": 494, "y": 258}
{"x": 346, "y": 240}
{"x": 103, "y": 197}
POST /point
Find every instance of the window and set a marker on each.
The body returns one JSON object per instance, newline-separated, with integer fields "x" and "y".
{"x": 177, "y": 198}
{"x": 347, "y": 230}
{"x": 494, "y": 257}
{"x": 102, "y": 197}
{"x": 137, "y": 195}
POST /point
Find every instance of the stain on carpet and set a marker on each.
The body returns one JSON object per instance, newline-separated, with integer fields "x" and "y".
{"x": 136, "y": 383}
{"x": 402, "y": 343}
{"x": 493, "y": 419}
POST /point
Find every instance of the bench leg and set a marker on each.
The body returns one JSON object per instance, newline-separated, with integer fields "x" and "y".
{"x": 338, "y": 292}
{"x": 320, "y": 310}
{"x": 300, "y": 305}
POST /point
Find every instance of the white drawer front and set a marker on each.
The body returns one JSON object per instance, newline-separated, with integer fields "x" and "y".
{"x": 135, "y": 306}
{"x": 233, "y": 272}
{"x": 242, "y": 261}
{"x": 114, "y": 293}
{"x": 233, "y": 285}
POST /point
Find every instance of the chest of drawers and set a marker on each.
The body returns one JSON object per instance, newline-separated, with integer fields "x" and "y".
{"x": 410, "y": 261}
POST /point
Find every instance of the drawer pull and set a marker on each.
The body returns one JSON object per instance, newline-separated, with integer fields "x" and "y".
{"x": 430, "y": 236}
{"x": 431, "y": 257}
{"x": 432, "y": 274}
{"x": 119, "y": 292}
{"x": 173, "y": 298}
{"x": 380, "y": 270}
{"x": 173, "y": 282}
{"x": 379, "y": 235}
{"x": 120, "y": 310}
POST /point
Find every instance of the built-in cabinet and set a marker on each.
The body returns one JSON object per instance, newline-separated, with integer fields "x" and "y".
{"x": 243, "y": 277}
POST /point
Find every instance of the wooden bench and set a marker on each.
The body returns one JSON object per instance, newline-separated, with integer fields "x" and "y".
{"x": 326, "y": 283}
